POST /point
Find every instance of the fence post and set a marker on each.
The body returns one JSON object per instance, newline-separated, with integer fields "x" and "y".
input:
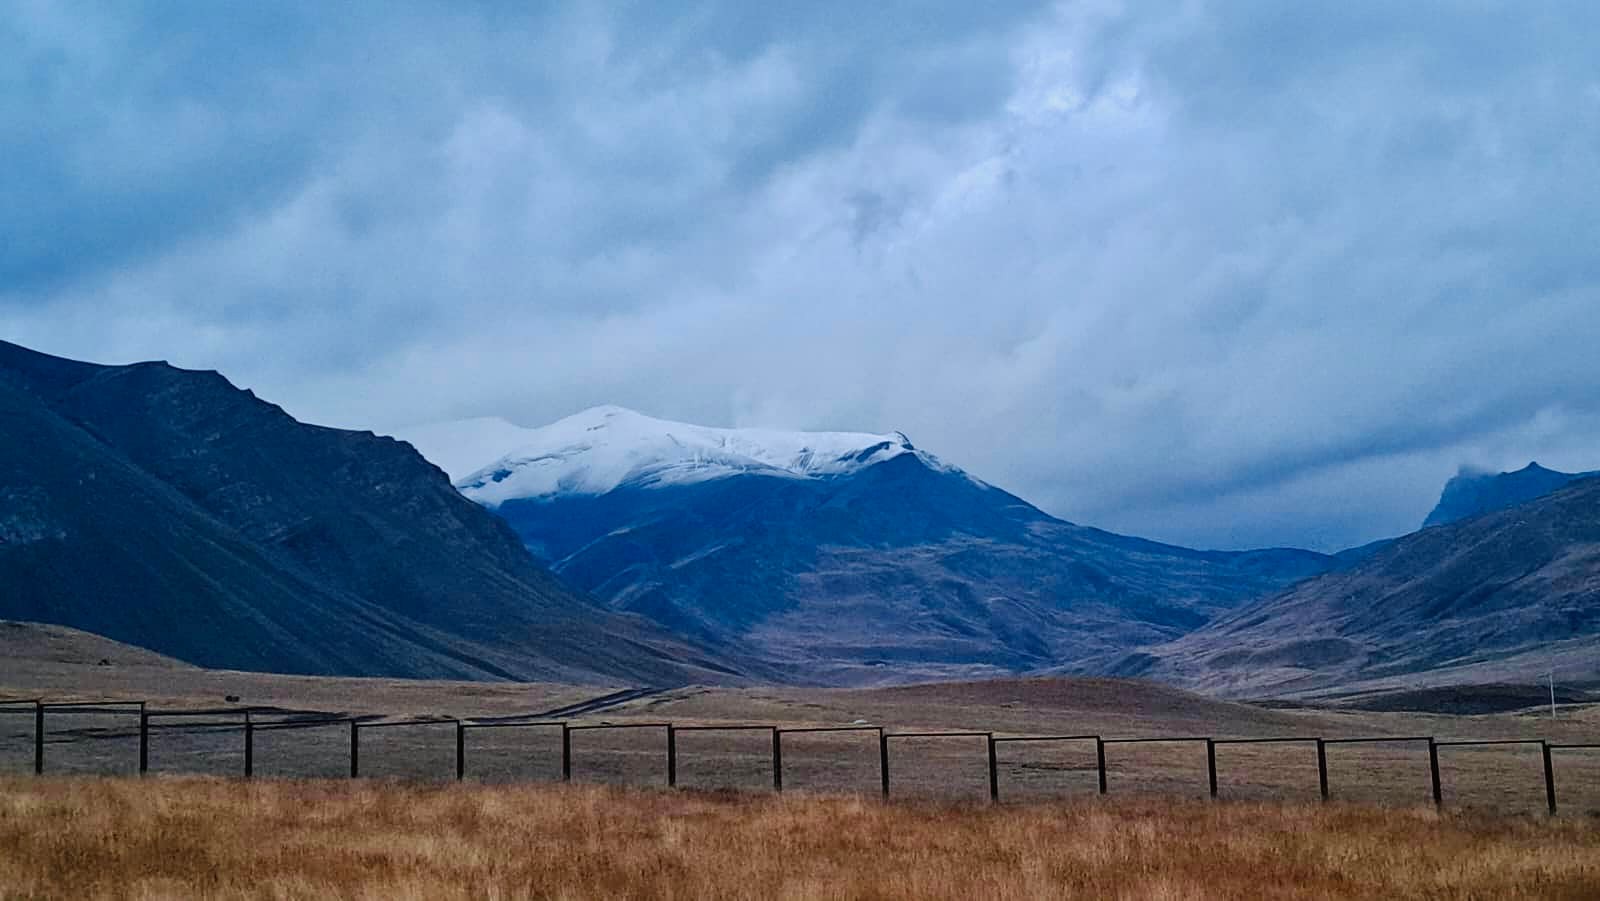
{"x": 144, "y": 739}
{"x": 38, "y": 738}
{"x": 1322, "y": 768}
{"x": 777, "y": 760}
{"x": 249, "y": 746}
{"x": 672, "y": 756}
{"x": 1549, "y": 778}
{"x": 566, "y": 753}
{"x": 883, "y": 761}
{"x": 1100, "y": 761}
{"x": 1433, "y": 771}
{"x": 1210, "y": 764}
{"x": 461, "y": 751}
{"x": 994, "y": 772}
{"x": 355, "y": 749}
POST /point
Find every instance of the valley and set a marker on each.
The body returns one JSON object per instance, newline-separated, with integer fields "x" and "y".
{"x": 859, "y": 559}
{"x": 800, "y": 451}
{"x": 842, "y": 558}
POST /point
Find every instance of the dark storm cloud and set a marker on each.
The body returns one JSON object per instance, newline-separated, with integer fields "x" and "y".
{"x": 128, "y": 131}
{"x": 1220, "y": 273}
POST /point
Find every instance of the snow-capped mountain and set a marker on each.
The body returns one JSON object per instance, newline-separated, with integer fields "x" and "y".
{"x": 845, "y": 556}
{"x": 604, "y": 448}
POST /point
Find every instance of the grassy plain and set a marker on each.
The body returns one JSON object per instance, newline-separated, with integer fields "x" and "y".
{"x": 285, "y": 839}
{"x": 1505, "y": 778}
{"x": 511, "y": 831}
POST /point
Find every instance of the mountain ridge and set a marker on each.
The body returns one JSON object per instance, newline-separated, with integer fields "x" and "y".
{"x": 225, "y": 533}
{"x": 1472, "y": 492}
{"x": 1502, "y": 594}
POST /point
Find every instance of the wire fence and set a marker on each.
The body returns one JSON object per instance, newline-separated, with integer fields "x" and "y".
{"x": 249, "y": 724}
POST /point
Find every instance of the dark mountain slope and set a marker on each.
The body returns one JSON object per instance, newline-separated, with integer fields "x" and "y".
{"x": 1471, "y": 494}
{"x": 1485, "y": 598}
{"x": 168, "y": 509}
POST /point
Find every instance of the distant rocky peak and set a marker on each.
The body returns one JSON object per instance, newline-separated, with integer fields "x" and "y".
{"x": 1474, "y": 492}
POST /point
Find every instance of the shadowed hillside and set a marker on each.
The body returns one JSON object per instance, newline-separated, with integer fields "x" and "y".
{"x": 1501, "y": 597}
{"x": 171, "y": 510}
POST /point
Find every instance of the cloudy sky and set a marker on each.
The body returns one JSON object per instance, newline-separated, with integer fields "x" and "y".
{"x": 1221, "y": 273}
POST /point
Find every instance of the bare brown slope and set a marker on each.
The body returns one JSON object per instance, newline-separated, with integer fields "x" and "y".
{"x": 1086, "y": 695}
{"x": 46, "y": 644}
{"x": 1480, "y": 599}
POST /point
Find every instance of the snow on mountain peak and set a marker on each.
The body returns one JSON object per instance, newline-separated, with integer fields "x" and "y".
{"x": 606, "y": 447}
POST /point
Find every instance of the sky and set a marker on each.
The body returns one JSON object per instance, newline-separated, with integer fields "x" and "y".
{"x": 1226, "y": 274}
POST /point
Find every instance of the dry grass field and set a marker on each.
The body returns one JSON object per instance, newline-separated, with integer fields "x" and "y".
{"x": 211, "y": 838}
{"x": 61, "y": 665}
{"x": 511, "y": 830}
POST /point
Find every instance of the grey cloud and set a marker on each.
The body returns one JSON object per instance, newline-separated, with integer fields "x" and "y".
{"x": 1223, "y": 274}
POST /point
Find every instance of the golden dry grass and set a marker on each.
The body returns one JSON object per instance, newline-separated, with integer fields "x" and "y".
{"x": 188, "y": 837}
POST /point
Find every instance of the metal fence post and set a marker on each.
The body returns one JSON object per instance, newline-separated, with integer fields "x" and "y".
{"x": 355, "y": 749}
{"x": 1322, "y": 768}
{"x": 249, "y": 746}
{"x": 1211, "y": 765}
{"x": 777, "y": 759}
{"x": 672, "y": 756}
{"x": 144, "y": 739}
{"x": 1549, "y": 778}
{"x": 994, "y": 772}
{"x": 38, "y": 738}
{"x": 1100, "y": 761}
{"x": 1433, "y": 771}
{"x": 461, "y": 751}
{"x": 566, "y": 753}
{"x": 883, "y": 761}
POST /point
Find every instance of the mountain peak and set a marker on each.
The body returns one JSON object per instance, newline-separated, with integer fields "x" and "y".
{"x": 1473, "y": 492}
{"x": 602, "y": 448}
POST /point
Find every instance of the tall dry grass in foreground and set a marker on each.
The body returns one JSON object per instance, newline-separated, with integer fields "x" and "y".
{"x": 226, "y": 839}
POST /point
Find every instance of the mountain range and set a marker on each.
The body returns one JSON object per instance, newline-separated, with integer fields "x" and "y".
{"x": 171, "y": 510}
{"x": 842, "y": 556}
